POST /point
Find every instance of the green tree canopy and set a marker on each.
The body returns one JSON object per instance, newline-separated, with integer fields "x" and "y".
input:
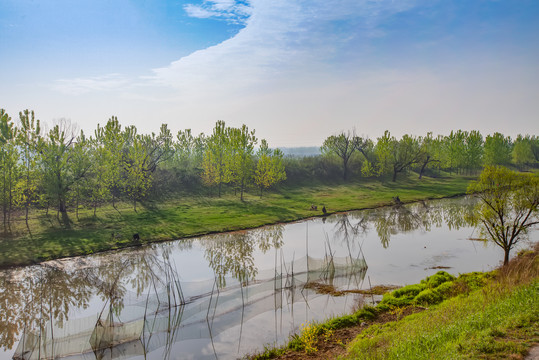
{"x": 497, "y": 150}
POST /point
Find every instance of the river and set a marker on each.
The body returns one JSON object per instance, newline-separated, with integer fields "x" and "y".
{"x": 227, "y": 295}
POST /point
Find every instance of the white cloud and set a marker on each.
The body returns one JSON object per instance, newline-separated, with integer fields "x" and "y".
{"x": 281, "y": 39}
{"x": 229, "y": 10}
{"x": 199, "y": 12}
{"x": 77, "y": 86}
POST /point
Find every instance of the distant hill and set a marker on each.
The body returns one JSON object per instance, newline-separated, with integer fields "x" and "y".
{"x": 300, "y": 151}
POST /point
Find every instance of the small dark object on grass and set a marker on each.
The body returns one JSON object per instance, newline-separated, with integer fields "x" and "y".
{"x": 324, "y": 210}
{"x": 397, "y": 200}
{"x": 136, "y": 237}
{"x": 314, "y": 207}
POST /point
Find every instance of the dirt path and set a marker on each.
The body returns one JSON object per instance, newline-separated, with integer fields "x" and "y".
{"x": 533, "y": 354}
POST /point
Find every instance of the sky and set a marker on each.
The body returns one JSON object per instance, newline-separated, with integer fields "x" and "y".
{"x": 296, "y": 71}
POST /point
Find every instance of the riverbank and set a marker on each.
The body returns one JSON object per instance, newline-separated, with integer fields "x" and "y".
{"x": 475, "y": 316}
{"x": 189, "y": 216}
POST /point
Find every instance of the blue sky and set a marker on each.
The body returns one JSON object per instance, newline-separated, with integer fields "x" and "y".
{"x": 296, "y": 71}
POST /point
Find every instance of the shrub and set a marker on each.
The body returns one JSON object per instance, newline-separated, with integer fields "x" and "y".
{"x": 403, "y": 296}
{"x": 437, "y": 279}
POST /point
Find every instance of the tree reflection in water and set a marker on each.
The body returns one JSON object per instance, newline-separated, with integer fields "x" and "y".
{"x": 41, "y": 297}
{"x": 391, "y": 220}
{"x": 233, "y": 253}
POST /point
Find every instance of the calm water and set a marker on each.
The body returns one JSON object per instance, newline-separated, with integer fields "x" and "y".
{"x": 227, "y": 295}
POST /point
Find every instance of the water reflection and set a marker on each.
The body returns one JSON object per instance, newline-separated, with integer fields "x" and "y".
{"x": 392, "y": 220}
{"x": 191, "y": 297}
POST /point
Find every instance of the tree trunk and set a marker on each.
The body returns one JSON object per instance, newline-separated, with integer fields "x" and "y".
{"x": 506, "y": 256}
{"x": 423, "y": 167}
{"x": 62, "y": 209}
{"x": 395, "y": 175}
{"x": 77, "y": 208}
{"x": 4, "y": 204}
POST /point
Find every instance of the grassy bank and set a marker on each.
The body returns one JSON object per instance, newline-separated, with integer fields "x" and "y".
{"x": 193, "y": 215}
{"x": 475, "y": 316}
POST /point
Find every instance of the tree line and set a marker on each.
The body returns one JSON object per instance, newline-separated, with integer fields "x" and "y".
{"x": 63, "y": 169}
{"x": 464, "y": 152}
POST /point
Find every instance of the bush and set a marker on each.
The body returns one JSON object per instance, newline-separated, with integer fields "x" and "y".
{"x": 403, "y": 296}
{"x": 431, "y": 290}
{"x": 437, "y": 279}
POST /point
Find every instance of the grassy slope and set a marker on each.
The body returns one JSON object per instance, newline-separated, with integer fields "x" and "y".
{"x": 499, "y": 321}
{"x": 196, "y": 215}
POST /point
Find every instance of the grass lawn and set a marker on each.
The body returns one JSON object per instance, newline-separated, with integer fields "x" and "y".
{"x": 193, "y": 215}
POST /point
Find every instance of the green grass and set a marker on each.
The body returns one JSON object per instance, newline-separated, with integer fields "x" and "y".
{"x": 497, "y": 319}
{"x": 193, "y": 215}
{"x": 481, "y": 325}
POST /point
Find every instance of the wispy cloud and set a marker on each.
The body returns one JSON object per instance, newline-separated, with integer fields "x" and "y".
{"x": 229, "y": 10}
{"x": 281, "y": 38}
{"x": 105, "y": 83}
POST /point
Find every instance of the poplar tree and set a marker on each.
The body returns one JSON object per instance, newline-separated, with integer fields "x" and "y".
{"x": 383, "y": 151}
{"x": 522, "y": 154}
{"x": 214, "y": 163}
{"x": 454, "y": 149}
{"x": 113, "y": 140}
{"x": 242, "y": 143}
{"x": 9, "y": 158}
{"x": 64, "y": 164}
{"x": 28, "y": 139}
{"x": 498, "y": 149}
{"x": 269, "y": 167}
{"x": 473, "y": 150}
{"x": 137, "y": 167}
{"x": 97, "y": 181}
